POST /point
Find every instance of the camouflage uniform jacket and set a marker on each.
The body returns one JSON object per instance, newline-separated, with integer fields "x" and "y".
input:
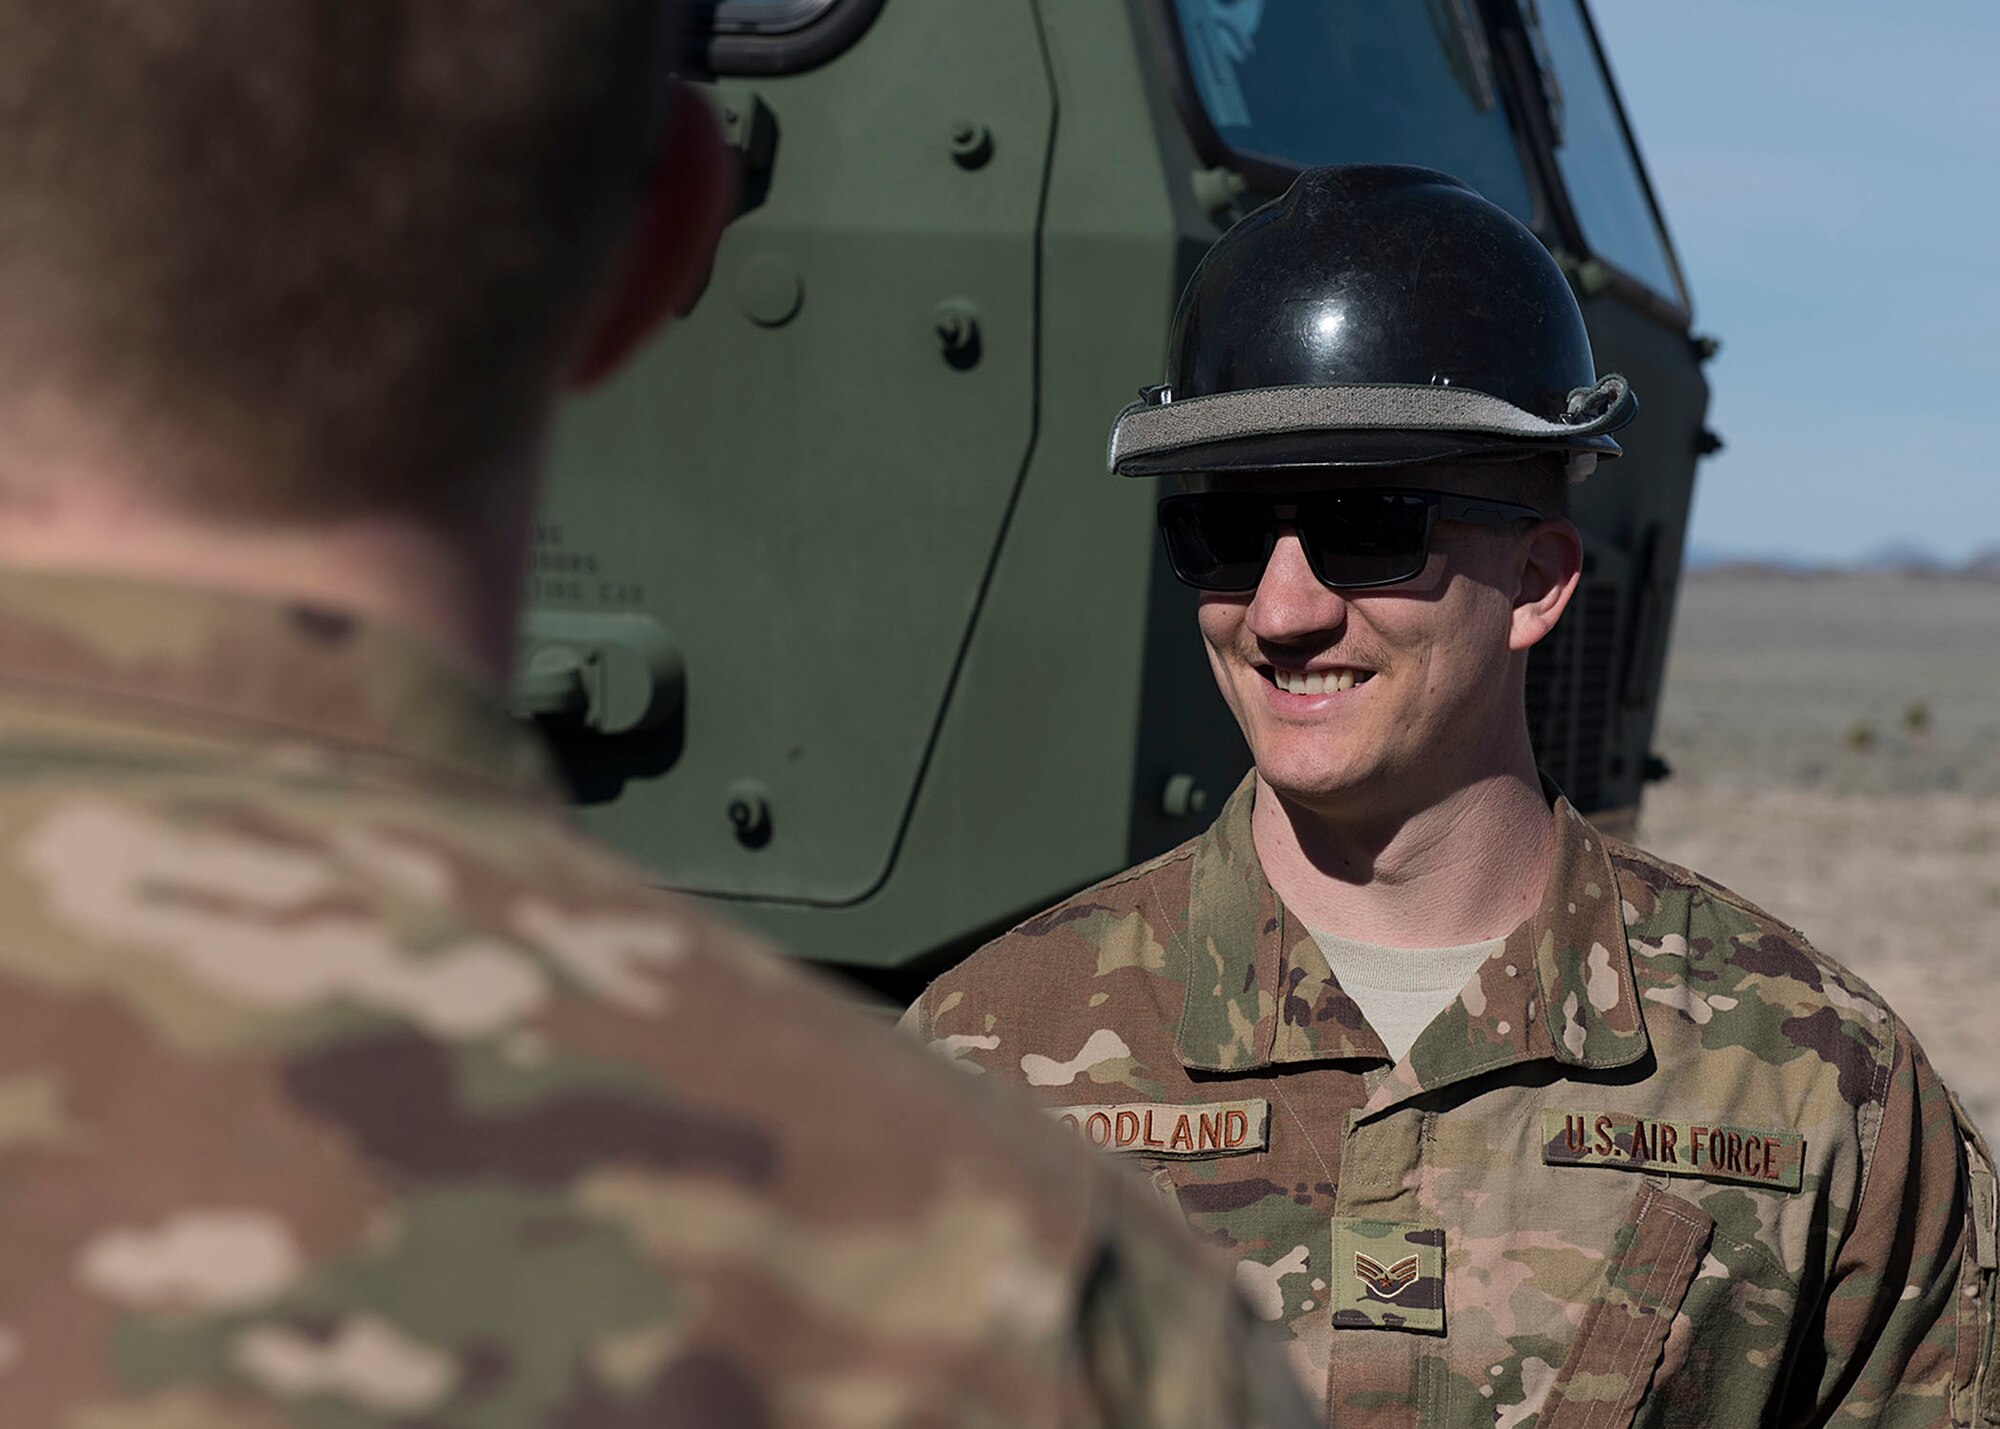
{"x": 343, "y": 1085}
{"x": 1660, "y": 1162}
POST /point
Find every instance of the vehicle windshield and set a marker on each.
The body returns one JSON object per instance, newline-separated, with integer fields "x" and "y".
{"x": 1356, "y": 81}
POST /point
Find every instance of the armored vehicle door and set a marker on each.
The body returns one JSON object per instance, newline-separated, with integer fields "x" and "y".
{"x": 835, "y": 616}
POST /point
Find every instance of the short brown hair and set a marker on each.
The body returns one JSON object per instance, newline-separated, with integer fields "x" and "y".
{"x": 341, "y": 241}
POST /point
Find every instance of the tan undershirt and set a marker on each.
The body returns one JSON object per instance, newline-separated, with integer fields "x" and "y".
{"x": 1400, "y": 990}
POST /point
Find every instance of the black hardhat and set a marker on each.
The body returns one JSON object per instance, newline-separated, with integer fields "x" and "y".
{"x": 1376, "y": 315}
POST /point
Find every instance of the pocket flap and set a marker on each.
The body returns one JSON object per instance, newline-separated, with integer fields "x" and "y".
{"x": 1617, "y": 1348}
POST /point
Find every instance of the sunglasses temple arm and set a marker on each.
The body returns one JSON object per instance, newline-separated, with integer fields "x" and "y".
{"x": 1482, "y": 513}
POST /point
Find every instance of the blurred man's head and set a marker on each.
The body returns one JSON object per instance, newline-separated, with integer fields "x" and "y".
{"x": 323, "y": 257}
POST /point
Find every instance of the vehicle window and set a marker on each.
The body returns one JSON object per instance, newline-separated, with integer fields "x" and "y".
{"x": 1599, "y": 166}
{"x": 762, "y": 17}
{"x": 1356, "y": 81}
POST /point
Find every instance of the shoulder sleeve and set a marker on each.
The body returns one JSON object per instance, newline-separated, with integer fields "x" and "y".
{"x": 1907, "y": 1320}
{"x": 966, "y": 1016}
{"x": 916, "y": 1019}
{"x": 1977, "y": 1398}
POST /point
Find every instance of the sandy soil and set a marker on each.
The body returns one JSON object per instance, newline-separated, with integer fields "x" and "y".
{"x": 1836, "y": 747}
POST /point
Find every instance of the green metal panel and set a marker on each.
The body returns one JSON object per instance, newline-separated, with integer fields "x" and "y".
{"x": 800, "y": 486}
{"x": 1030, "y": 789}
{"x": 916, "y": 668}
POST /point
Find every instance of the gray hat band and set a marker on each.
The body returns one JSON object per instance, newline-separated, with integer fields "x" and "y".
{"x": 1148, "y": 427}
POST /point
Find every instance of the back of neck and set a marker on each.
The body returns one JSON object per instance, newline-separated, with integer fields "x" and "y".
{"x": 457, "y": 585}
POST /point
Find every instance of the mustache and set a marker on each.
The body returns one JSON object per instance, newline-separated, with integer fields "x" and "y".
{"x": 1339, "y": 652}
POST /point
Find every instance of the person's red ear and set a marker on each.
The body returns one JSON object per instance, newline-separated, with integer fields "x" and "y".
{"x": 666, "y": 261}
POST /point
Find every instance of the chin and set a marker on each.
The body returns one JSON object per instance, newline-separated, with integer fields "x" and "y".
{"x": 1353, "y": 775}
{"x": 1314, "y": 785}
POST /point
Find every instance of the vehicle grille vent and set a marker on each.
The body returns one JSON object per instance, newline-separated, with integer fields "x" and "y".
{"x": 1571, "y": 680}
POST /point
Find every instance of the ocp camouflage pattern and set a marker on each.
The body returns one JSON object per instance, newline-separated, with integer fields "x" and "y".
{"x": 342, "y": 1085}
{"x": 1683, "y": 1169}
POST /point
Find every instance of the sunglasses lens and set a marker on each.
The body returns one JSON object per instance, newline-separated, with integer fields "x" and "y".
{"x": 1215, "y": 542}
{"x": 1221, "y": 541}
{"x": 1365, "y": 538}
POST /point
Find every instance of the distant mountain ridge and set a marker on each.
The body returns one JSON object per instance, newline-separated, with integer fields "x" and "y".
{"x": 1896, "y": 558}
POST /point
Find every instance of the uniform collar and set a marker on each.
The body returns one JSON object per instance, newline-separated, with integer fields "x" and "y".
{"x": 263, "y": 673}
{"x": 1259, "y": 993}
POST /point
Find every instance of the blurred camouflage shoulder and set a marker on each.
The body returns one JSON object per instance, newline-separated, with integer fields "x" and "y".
{"x": 343, "y": 1084}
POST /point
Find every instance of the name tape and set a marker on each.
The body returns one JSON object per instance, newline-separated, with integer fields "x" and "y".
{"x": 1674, "y": 1148}
{"x": 1172, "y": 1128}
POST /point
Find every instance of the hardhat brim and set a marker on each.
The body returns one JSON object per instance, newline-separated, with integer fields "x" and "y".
{"x": 1356, "y": 426}
{"x": 1304, "y": 450}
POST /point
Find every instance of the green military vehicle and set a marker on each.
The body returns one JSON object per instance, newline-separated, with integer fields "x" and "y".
{"x": 836, "y": 619}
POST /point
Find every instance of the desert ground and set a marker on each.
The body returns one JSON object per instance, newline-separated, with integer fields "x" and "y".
{"x": 1835, "y": 741}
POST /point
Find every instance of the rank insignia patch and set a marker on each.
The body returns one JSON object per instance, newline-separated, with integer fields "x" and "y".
{"x": 1674, "y": 1148}
{"x": 1391, "y": 1275}
{"x": 1387, "y": 1281}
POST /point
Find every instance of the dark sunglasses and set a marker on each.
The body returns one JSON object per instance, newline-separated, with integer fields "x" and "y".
{"x": 1221, "y": 540}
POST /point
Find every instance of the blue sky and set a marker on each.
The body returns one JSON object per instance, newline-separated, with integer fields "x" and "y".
{"x": 1830, "y": 173}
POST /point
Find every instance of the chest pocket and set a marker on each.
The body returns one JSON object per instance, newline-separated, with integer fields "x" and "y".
{"x": 1617, "y": 1348}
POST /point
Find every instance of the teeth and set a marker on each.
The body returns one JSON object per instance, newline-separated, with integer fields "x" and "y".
{"x": 1318, "y": 682}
